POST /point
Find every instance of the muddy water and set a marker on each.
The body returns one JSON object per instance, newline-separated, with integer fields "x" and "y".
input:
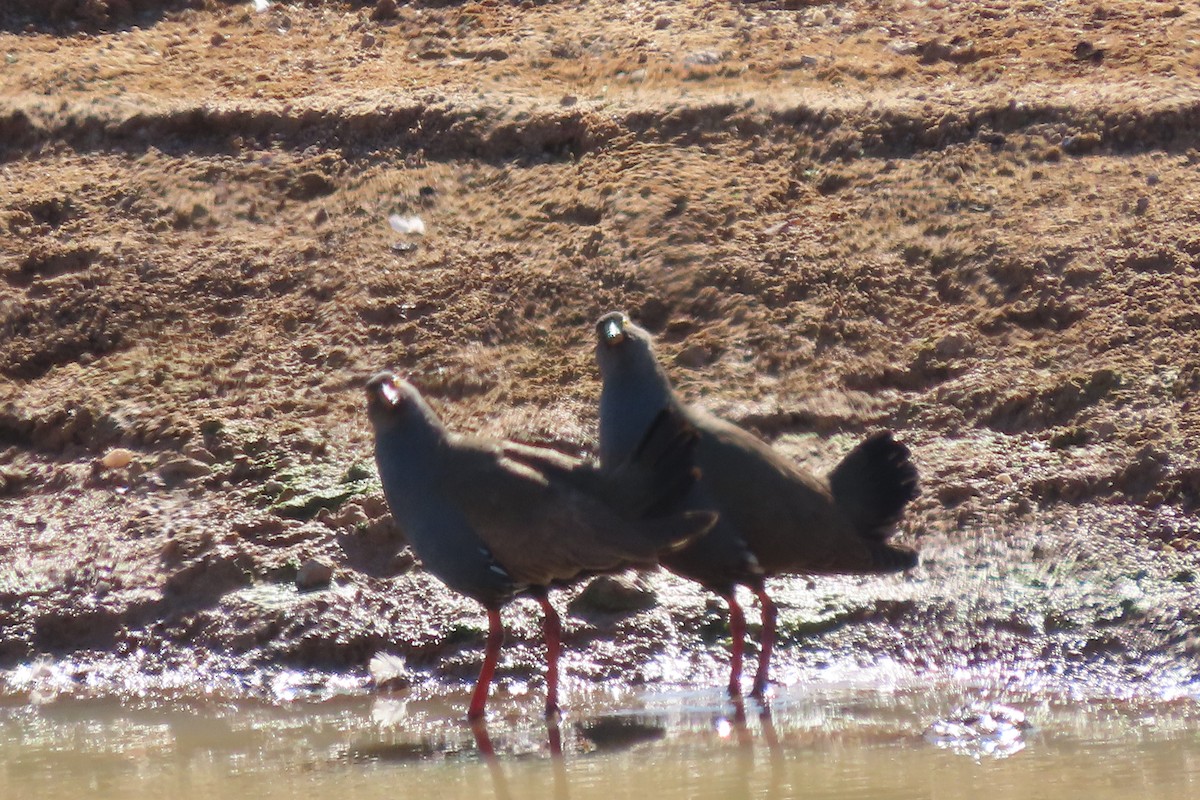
{"x": 820, "y": 740}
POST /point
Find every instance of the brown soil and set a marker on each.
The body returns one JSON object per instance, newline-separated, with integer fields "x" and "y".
{"x": 975, "y": 223}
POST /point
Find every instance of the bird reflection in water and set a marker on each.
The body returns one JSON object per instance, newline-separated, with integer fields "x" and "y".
{"x": 610, "y": 734}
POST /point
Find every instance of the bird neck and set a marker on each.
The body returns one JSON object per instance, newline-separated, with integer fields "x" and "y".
{"x": 407, "y": 463}
{"x": 629, "y": 402}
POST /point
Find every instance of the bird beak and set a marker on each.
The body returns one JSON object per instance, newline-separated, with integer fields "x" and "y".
{"x": 389, "y": 393}
{"x": 382, "y": 391}
{"x": 612, "y": 332}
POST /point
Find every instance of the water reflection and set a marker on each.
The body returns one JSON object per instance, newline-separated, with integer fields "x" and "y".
{"x": 818, "y": 742}
{"x": 483, "y": 742}
{"x": 755, "y": 753}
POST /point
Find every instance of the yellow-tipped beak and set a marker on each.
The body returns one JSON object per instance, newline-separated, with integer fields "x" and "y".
{"x": 389, "y": 392}
{"x": 612, "y": 332}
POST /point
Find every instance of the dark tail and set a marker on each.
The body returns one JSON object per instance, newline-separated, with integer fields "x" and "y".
{"x": 872, "y": 486}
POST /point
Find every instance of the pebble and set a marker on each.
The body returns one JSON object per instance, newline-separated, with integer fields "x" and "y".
{"x": 182, "y": 468}
{"x": 694, "y": 356}
{"x": 384, "y": 10}
{"x": 117, "y": 458}
{"x": 201, "y": 454}
{"x": 314, "y": 574}
{"x": 703, "y": 58}
{"x": 614, "y": 594}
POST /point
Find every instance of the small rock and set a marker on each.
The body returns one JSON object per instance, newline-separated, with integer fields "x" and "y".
{"x": 183, "y": 468}
{"x": 200, "y": 454}
{"x": 904, "y": 47}
{"x": 402, "y": 562}
{"x": 11, "y": 479}
{"x": 368, "y": 41}
{"x": 310, "y": 185}
{"x": 613, "y": 594}
{"x": 218, "y": 39}
{"x": 1086, "y": 51}
{"x": 1081, "y": 144}
{"x": 1143, "y": 205}
{"x": 703, "y": 58}
{"x": 384, "y": 10}
{"x": 694, "y": 356}
{"x": 350, "y": 515}
{"x": 568, "y": 100}
{"x": 315, "y": 573}
{"x": 117, "y": 458}
{"x": 953, "y": 345}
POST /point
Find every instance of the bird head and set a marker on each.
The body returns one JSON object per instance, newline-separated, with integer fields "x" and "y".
{"x": 394, "y": 404}
{"x": 610, "y": 330}
{"x": 621, "y": 346}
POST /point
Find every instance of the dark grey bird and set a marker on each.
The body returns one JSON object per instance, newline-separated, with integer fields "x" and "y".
{"x": 774, "y": 517}
{"x": 495, "y": 519}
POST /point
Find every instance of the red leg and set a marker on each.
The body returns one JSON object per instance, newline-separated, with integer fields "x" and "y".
{"x": 766, "y": 643}
{"x": 737, "y": 632}
{"x": 552, "y": 629}
{"x": 491, "y": 655}
{"x": 483, "y": 742}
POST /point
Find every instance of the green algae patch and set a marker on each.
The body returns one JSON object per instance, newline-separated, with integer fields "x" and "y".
{"x": 309, "y": 490}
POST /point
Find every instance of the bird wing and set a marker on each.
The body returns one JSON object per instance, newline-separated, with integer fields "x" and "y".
{"x": 651, "y": 482}
{"x": 540, "y": 526}
{"x": 786, "y": 514}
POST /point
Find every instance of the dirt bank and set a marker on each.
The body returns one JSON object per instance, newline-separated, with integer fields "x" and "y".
{"x": 975, "y": 223}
